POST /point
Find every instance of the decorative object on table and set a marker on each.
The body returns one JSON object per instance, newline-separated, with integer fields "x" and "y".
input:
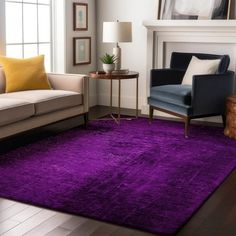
{"x": 108, "y": 62}
{"x": 80, "y": 16}
{"x": 117, "y": 32}
{"x": 82, "y": 50}
{"x": 121, "y": 71}
{"x": 145, "y": 177}
{"x": 203, "y": 98}
{"x": 192, "y": 9}
{"x": 230, "y": 129}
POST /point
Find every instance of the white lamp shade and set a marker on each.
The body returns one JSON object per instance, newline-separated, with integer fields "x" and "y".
{"x": 115, "y": 32}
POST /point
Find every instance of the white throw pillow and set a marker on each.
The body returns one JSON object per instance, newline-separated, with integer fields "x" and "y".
{"x": 200, "y": 67}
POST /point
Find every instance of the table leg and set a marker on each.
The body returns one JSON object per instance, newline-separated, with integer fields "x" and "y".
{"x": 119, "y": 101}
{"x": 137, "y": 97}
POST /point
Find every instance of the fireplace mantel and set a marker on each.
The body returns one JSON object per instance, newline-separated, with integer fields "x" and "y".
{"x": 160, "y": 32}
{"x": 191, "y": 25}
{"x": 189, "y": 31}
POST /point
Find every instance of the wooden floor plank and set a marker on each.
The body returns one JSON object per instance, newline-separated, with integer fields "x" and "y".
{"x": 74, "y": 223}
{"x": 4, "y": 204}
{"x": 48, "y": 225}
{"x": 59, "y": 231}
{"x": 12, "y": 210}
{"x": 122, "y": 231}
{"x": 140, "y": 233}
{"x": 104, "y": 230}
{"x": 7, "y": 225}
{"x": 31, "y": 223}
{"x": 26, "y": 214}
{"x": 86, "y": 229}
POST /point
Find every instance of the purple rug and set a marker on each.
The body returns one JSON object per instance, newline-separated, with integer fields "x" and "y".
{"x": 138, "y": 175}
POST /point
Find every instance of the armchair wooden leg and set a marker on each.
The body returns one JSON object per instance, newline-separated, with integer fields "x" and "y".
{"x": 150, "y": 114}
{"x": 224, "y": 120}
{"x": 86, "y": 118}
{"x": 187, "y": 123}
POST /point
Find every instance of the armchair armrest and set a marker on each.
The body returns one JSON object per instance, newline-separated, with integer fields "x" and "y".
{"x": 71, "y": 82}
{"x": 209, "y": 92}
{"x": 166, "y": 76}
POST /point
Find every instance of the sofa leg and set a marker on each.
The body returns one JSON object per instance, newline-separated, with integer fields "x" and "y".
{"x": 224, "y": 120}
{"x": 186, "y": 129}
{"x": 86, "y": 116}
{"x": 150, "y": 114}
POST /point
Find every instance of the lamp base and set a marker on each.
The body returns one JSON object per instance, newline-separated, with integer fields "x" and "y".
{"x": 117, "y": 53}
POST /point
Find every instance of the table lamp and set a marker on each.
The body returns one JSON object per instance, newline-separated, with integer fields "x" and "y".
{"x": 117, "y": 32}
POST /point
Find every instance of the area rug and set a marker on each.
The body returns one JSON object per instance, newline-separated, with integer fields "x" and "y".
{"x": 134, "y": 174}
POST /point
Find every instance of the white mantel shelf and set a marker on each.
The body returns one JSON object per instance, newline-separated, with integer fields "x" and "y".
{"x": 190, "y": 25}
{"x": 160, "y": 32}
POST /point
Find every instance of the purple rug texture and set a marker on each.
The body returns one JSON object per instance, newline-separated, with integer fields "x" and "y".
{"x": 138, "y": 175}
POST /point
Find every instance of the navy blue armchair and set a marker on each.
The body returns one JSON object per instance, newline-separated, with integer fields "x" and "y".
{"x": 205, "y": 97}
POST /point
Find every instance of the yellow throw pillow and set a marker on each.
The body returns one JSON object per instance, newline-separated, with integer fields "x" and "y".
{"x": 24, "y": 74}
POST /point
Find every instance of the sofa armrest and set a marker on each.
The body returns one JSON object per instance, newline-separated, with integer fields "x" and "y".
{"x": 166, "y": 76}
{"x": 209, "y": 92}
{"x": 71, "y": 82}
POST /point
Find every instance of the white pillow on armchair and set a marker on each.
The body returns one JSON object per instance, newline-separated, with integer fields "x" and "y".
{"x": 200, "y": 67}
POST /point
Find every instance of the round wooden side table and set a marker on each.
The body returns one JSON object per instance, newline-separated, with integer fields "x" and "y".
{"x": 230, "y": 129}
{"x": 101, "y": 75}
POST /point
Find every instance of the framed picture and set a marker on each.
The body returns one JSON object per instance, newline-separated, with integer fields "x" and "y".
{"x": 80, "y": 16}
{"x": 82, "y": 50}
{"x": 192, "y": 9}
{"x": 222, "y": 10}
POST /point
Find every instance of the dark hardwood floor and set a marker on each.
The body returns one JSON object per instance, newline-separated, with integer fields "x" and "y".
{"x": 217, "y": 217}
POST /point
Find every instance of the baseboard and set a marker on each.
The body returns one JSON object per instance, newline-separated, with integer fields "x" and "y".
{"x": 93, "y": 100}
{"x": 128, "y": 102}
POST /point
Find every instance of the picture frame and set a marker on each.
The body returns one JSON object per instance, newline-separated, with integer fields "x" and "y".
{"x": 159, "y": 4}
{"x": 223, "y": 11}
{"x": 81, "y": 50}
{"x": 80, "y": 16}
{"x": 194, "y": 10}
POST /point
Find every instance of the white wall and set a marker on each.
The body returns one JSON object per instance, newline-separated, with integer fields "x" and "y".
{"x": 133, "y": 54}
{"x": 70, "y": 33}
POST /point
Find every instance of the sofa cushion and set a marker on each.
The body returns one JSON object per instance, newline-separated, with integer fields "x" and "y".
{"x": 174, "y": 94}
{"x": 24, "y": 74}
{"x": 46, "y": 101}
{"x": 200, "y": 67}
{"x": 13, "y": 110}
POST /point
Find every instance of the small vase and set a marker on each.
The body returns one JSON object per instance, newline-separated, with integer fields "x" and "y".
{"x": 108, "y": 68}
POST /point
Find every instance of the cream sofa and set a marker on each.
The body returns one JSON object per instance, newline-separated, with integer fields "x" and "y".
{"x": 26, "y": 110}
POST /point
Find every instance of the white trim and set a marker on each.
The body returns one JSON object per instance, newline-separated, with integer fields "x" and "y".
{"x": 59, "y": 36}
{"x": 2, "y": 29}
{"x": 193, "y": 25}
